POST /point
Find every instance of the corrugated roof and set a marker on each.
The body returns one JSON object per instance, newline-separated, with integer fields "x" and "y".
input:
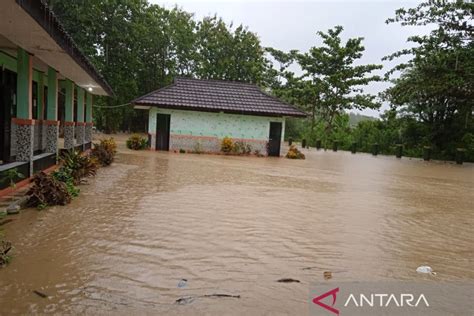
{"x": 217, "y": 96}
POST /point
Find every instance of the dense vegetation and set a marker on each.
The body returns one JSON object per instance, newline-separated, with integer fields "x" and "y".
{"x": 140, "y": 47}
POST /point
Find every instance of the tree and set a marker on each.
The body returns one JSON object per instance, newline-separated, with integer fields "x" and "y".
{"x": 332, "y": 82}
{"x": 436, "y": 86}
{"x": 228, "y": 55}
{"x": 139, "y": 47}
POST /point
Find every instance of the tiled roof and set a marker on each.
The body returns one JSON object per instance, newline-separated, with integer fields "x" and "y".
{"x": 217, "y": 96}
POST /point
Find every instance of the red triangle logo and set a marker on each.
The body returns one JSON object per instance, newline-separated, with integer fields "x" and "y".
{"x": 318, "y": 301}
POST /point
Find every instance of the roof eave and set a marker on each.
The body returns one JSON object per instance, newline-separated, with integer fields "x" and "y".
{"x": 202, "y": 109}
{"x": 40, "y": 12}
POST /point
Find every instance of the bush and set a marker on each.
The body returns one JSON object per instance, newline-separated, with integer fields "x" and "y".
{"x": 258, "y": 153}
{"x": 197, "y": 149}
{"x": 294, "y": 153}
{"x": 105, "y": 151}
{"x": 227, "y": 145}
{"x": 47, "y": 191}
{"x": 78, "y": 166}
{"x": 240, "y": 148}
{"x": 64, "y": 175}
{"x": 5, "y": 247}
{"x": 137, "y": 142}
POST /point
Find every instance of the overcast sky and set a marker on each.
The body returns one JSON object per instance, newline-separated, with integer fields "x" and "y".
{"x": 287, "y": 25}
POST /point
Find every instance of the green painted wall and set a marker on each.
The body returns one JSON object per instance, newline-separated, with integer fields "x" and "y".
{"x": 8, "y": 62}
{"x": 69, "y": 104}
{"x": 216, "y": 124}
{"x": 23, "y": 86}
{"x": 89, "y": 107}
{"x": 40, "y": 93}
{"x": 51, "y": 113}
{"x": 80, "y": 104}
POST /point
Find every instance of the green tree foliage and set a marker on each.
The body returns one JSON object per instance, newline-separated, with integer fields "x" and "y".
{"x": 436, "y": 86}
{"x": 140, "y": 47}
{"x": 225, "y": 54}
{"x": 332, "y": 78}
{"x": 331, "y": 83}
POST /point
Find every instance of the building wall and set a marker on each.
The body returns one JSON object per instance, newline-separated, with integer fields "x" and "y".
{"x": 189, "y": 128}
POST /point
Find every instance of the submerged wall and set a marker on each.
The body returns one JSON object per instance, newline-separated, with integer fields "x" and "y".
{"x": 189, "y": 129}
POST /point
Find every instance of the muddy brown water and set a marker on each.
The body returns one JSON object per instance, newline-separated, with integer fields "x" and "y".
{"x": 236, "y": 225}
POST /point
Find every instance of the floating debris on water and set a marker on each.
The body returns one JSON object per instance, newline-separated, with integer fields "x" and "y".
{"x": 185, "y": 300}
{"x": 40, "y": 294}
{"x": 222, "y": 295}
{"x": 288, "y": 280}
{"x": 327, "y": 275}
{"x": 182, "y": 283}
{"x": 425, "y": 270}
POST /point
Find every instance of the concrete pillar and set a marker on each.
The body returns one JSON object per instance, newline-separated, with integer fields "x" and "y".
{"x": 23, "y": 124}
{"x": 69, "y": 142}
{"x": 80, "y": 124}
{"x": 39, "y": 127}
{"x": 51, "y": 124}
{"x": 40, "y": 93}
{"x": 88, "y": 127}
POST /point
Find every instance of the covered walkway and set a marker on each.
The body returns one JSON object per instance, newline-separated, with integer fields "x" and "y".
{"x": 47, "y": 87}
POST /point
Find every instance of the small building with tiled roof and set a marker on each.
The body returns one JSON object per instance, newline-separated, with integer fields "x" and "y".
{"x": 195, "y": 115}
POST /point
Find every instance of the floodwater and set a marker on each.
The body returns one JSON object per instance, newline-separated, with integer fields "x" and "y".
{"x": 236, "y": 225}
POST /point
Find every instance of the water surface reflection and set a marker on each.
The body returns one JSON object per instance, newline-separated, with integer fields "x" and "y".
{"x": 235, "y": 225}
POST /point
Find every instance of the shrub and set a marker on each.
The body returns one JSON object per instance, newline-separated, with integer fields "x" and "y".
{"x": 182, "y": 151}
{"x": 294, "y": 153}
{"x": 109, "y": 144}
{"x": 197, "y": 149}
{"x": 105, "y": 151}
{"x": 227, "y": 145}
{"x": 11, "y": 176}
{"x": 47, "y": 191}
{"x": 5, "y": 247}
{"x": 137, "y": 142}
{"x": 241, "y": 148}
{"x": 258, "y": 153}
{"x": 64, "y": 175}
{"x": 248, "y": 149}
{"x": 238, "y": 147}
{"x": 79, "y": 166}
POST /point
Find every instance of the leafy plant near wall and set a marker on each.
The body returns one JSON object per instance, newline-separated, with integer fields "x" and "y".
{"x": 105, "y": 151}
{"x": 11, "y": 175}
{"x": 63, "y": 174}
{"x": 227, "y": 145}
{"x": 241, "y": 148}
{"x": 294, "y": 153}
{"x": 235, "y": 148}
{"x": 258, "y": 153}
{"x": 59, "y": 187}
{"x": 197, "y": 149}
{"x": 47, "y": 191}
{"x": 5, "y": 247}
{"x": 137, "y": 142}
{"x": 79, "y": 166}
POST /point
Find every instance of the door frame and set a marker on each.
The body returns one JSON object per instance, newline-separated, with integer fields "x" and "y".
{"x": 274, "y": 145}
{"x": 159, "y": 144}
{"x": 7, "y": 112}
